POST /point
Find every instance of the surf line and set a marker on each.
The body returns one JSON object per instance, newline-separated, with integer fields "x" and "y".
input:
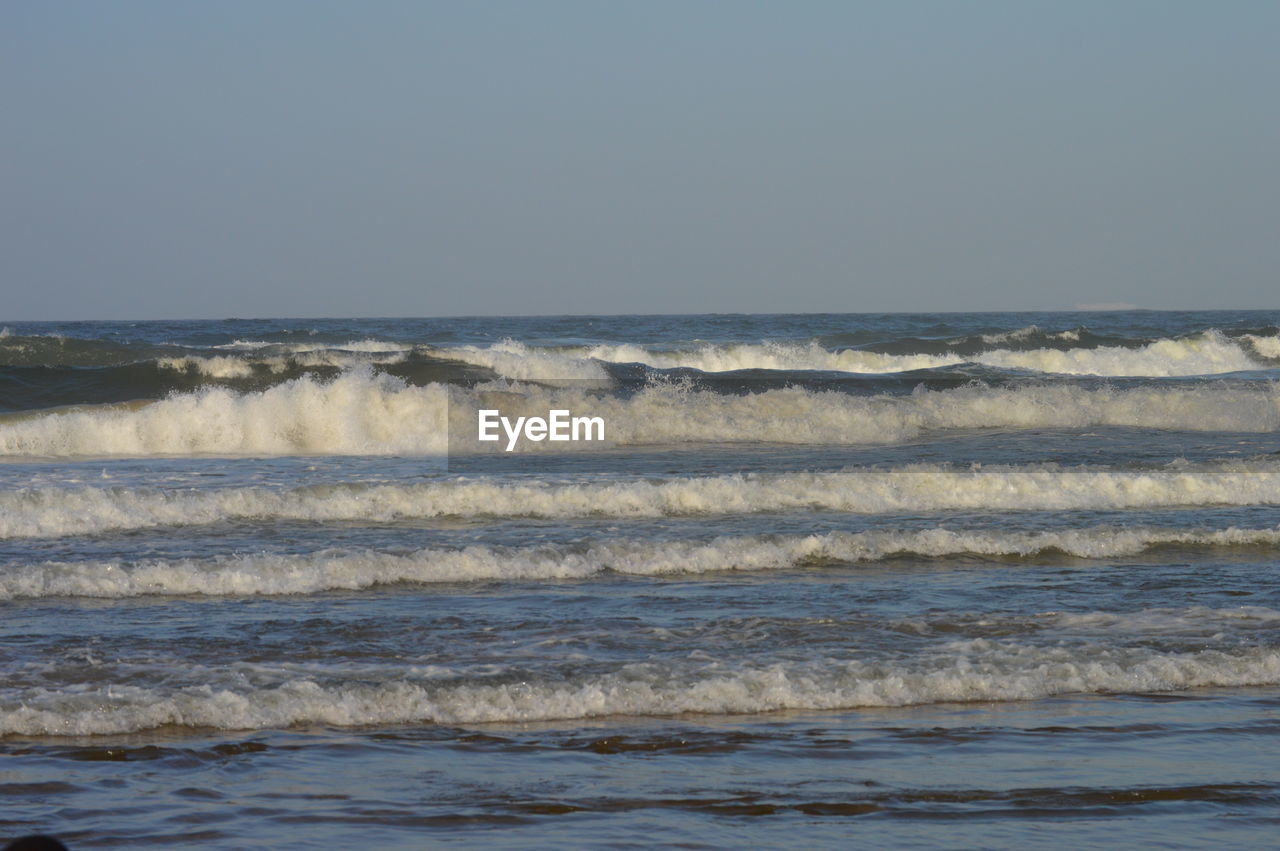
{"x": 559, "y": 424}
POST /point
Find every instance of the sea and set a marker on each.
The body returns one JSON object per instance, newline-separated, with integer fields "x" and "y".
{"x": 884, "y": 580}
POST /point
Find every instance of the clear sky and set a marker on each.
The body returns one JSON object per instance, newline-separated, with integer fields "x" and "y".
{"x": 278, "y": 158}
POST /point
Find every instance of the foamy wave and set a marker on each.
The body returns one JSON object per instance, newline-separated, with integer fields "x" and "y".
{"x": 230, "y": 366}
{"x": 513, "y": 359}
{"x": 1072, "y": 335}
{"x": 1194, "y": 620}
{"x": 355, "y": 414}
{"x": 1267, "y": 347}
{"x": 367, "y": 346}
{"x": 53, "y": 512}
{"x": 244, "y": 344}
{"x": 268, "y": 574}
{"x": 1209, "y": 353}
{"x": 360, "y": 413}
{"x": 666, "y": 415}
{"x": 962, "y": 671}
{"x": 516, "y": 360}
{"x": 222, "y": 366}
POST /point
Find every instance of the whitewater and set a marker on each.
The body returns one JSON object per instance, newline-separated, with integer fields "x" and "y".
{"x": 820, "y": 547}
{"x": 360, "y": 413}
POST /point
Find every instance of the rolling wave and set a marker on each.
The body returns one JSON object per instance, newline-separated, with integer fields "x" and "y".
{"x": 1208, "y": 353}
{"x": 271, "y": 574}
{"x": 357, "y": 413}
{"x": 1070, "y": 352}
{"x": 366, "y": 413}
{"x": 55, "y": 512}
{"x": 960, "y": 671}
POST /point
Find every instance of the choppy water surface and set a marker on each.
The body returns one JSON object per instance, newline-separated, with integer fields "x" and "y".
{"x": 946, "y": 579}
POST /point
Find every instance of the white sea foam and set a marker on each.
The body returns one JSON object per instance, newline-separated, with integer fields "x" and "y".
{"x": 269, "y": 574}
{"x": 362, "y": 413}
{"x": 368, "y": 346}
{"x": 1193, "y": 620}
{"x": 54, "y": 512}
{"x": 230, "y": 366}
{"x": 220, "y": 366}
{"x": 357, "y": 413}
{"x": 1267, "y": 347}
{"x": 245, "y": 344}
{"x": 960, "y": 671}
{"x": 513, "y": 359}
{"x": 1072, "y": 335}
{"x": 1208, "y": 353}
{"x": 1009, "y": 336}
{"x": 516, "y": 360}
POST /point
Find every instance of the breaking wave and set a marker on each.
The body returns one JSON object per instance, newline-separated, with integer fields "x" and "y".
{"x": 356, "y": 413}
{"x": 960, "y": 671}
{"x": 360, "y": 412}
{"x": 269, "y": 574}
{"x": 54, "y": 512}
{"x": 1207, "y": 353}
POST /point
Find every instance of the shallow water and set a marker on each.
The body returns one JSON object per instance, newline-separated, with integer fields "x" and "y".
{"x": 972, "y": 602}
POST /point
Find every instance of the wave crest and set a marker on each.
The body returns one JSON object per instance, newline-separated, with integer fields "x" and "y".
{"x": 56, "y": 512}
{"x": 330, "y": 570}
{"x": 964, "y": 671}
{"x": 1208, "y": 353}
{"x": 364, "y": 413}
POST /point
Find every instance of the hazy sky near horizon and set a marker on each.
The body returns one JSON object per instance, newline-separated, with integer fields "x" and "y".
{"x": 307, "y": 158}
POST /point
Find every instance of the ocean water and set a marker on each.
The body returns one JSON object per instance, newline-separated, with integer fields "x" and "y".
{"x": 903, "y": 579}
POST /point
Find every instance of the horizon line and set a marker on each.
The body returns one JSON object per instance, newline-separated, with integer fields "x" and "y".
{"x": 1078, "y": 309}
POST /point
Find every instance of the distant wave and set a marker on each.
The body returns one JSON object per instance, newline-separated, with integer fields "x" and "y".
{"x": 57, "y": 350}
{"x": 1208, "y": 353}
{"x": 1074, "y": 351}
{"x": 39, "y": 372}
{"x": 359, "y": 412}
{"x": 53, "y": 512}
{"x": 283, "y": 358}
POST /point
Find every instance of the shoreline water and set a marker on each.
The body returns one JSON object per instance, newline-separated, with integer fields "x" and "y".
{"x": 929, "y": 579}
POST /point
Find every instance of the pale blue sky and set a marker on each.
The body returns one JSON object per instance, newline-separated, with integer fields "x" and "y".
{"x": 272, "y": 158}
